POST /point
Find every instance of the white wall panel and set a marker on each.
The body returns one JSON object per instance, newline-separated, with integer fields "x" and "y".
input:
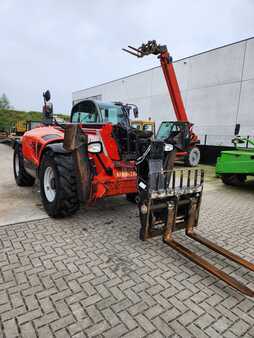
{"x": 248, "y": 71}
{"x": 158, "y": 84}
{"x": 246, "y": 109}
{"x": 214, "y": 105}
{"x": 216, "y": 67}
{"x": 138, "y": 86}
{"x": 214, "y": 87}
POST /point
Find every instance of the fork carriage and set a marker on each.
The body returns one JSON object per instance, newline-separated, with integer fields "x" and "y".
{"x": 170, "y": 201}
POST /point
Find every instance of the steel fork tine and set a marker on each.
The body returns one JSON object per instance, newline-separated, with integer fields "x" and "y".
{"x": 188, "y": 179}
{"x": 196, "y": 177}
{"x": 130, "y": 52}
{"x": 136, "y": 49}
{"x": 181, "y": 179}
{"x": 174, "y": 180}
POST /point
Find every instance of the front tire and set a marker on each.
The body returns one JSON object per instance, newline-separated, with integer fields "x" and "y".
{"x": 22, "y": 178}
{"x": 58, "y": 185}
{"x": 233, "y": 179}
{"x": 193, "y": 157}
{"x": 132, "y": 197}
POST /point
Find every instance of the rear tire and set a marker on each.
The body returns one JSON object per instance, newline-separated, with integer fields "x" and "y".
{"x": 233, "y": 179}
{"x": 58, "y": 185}
{"x": 193, "y": 157}
{"x": 22, "y": 178}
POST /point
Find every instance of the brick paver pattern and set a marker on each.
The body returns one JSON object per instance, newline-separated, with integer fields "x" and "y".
{"x": 89, "y": 275}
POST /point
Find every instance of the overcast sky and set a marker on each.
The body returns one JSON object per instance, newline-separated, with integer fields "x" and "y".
{"x": 69, "y": 45}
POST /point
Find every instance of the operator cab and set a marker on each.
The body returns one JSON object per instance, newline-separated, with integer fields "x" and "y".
{"x": 97, "y": 112}
{"x": 175, "y": 132}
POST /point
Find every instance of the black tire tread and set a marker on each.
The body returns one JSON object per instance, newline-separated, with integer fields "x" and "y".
{"x": 67, "y": 201}
{"x": 23, "y": 179}
{"x": 131, "y": 197}
{"x": 233, "y": 179}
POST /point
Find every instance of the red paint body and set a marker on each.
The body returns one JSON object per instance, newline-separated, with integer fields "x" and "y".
{"x": 123, "y": 179}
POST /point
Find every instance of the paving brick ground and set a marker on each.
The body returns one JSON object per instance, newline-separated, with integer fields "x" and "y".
{"x": 89, "y": 275}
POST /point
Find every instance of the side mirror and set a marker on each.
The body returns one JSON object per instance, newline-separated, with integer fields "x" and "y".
{"x": 47, "y": 95}
{"x": 135, "y": 112}
{"x": 127, "y": 108}
{"x": 47, "y": 108}
{"x": 237, "y": 129}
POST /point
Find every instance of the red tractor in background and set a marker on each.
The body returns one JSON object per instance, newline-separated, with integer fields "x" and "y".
{"x": 180, "y": 132}
{"x": 98, "y": 154}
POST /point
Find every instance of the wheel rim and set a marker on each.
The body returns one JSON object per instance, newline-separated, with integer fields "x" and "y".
{"x": 49, "y": 184}
{"x": 16, "y": 164}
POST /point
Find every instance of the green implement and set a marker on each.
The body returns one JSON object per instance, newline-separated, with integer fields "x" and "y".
{"x": 233, "y": 166}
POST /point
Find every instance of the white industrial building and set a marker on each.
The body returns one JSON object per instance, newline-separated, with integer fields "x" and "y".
{"x": 217, "y": 88}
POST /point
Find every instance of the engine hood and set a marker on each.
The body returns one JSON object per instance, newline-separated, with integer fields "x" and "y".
{"x": 43, "y": 134}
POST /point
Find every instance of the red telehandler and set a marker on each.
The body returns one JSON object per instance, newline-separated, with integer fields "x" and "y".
{"x": 178, "y": 132}
{"x": 99, "y": 154}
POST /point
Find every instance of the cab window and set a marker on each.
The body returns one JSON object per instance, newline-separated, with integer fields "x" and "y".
{"x": 165, "y": 130}
{"x": 136, "y": 126}
{"x": 85, "y": 112}
{"x": 148, "y": 127}
{"x": 112, "y": 114}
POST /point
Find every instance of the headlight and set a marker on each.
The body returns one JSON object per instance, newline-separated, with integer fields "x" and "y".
{"x": 168, "y": 147}
{"x": 95, "y": 147}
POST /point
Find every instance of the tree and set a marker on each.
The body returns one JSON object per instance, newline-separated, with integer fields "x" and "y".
{"x": 4, "y": 102}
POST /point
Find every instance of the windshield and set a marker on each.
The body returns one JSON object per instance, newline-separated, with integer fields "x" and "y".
{"x": 136, "y": 126}
{"x": 165, "y": 130}
{"x": 85, "y": 112}
{"x": 88, "y": 112}
{"x": 84, "y": 117}
{"x": 148, "y": 127}
{"x": 111, "y": 113}
{"x": 140, "y": 126}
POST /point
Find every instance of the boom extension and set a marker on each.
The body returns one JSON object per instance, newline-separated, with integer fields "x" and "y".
{"x": 151, "y": 47}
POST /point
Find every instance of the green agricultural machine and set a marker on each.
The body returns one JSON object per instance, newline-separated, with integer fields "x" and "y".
{"x": 233, "y": 166}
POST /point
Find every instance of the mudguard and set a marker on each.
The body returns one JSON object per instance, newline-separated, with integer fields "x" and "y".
{"x": 57, "y": 148}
